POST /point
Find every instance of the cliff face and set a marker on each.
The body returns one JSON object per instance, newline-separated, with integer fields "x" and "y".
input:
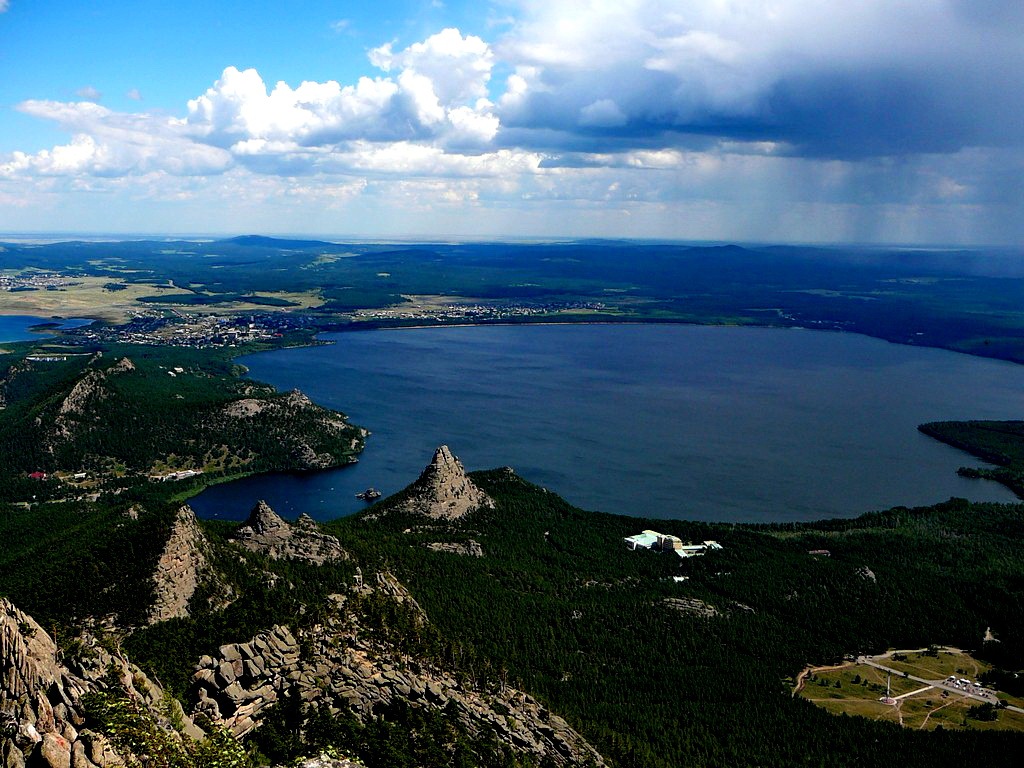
{"x": 444, "y": 490}
{"x": 41, "y": 712}
{"x": 266, "y": 532}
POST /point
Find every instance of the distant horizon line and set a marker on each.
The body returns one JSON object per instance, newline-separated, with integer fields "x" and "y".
{"x": 58, "y": 236}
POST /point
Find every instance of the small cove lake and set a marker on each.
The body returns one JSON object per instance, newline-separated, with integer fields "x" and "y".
{"x": 666, "y": 421}
{"x": 20, "y": 327}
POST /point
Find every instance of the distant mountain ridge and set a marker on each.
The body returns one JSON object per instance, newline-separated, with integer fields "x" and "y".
{"x": 263, "y": 241}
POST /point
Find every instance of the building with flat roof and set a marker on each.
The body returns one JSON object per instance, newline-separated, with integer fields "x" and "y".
{"x": 644, "y": 540}
{"x": 664, "y": 542}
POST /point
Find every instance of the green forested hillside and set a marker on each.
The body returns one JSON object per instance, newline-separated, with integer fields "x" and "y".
{"x": 114, "y": 418}
{"x": 559, "y": 606}
{"x": 67, "y": 561}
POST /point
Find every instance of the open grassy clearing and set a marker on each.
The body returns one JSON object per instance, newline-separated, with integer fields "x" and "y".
{"x": 856, "y": 689}
{"x": 301, "y": 300}
{"x": 929, "y": 709}
{"x": 939, "y": 667}
{"x": 84, "y": 297}
{"x": 87, "y": 297}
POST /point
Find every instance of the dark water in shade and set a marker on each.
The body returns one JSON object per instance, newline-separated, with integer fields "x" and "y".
{"x": 710, "y": 423}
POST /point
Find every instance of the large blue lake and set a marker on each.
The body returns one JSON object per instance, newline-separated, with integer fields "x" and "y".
{"x": 710, "y": 423}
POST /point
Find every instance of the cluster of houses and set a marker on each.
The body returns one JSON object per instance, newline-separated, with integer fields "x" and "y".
{"x": 663, "y": 542}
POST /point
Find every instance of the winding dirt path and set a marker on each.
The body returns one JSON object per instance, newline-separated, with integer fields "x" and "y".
{"x": 802, "y": 677}
{"x": 925, "y": 721}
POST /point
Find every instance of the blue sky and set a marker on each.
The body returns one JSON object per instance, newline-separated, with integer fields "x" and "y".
{"x": 895, "y": 121}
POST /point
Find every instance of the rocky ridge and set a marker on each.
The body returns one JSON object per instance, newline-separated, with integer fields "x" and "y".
{"x": 268, "y": 533}
{"x": 692, "y": 606}
{"x": 344, "y": 667}
{"x": 468, "y": 548}
{"x": 444, "y": 490}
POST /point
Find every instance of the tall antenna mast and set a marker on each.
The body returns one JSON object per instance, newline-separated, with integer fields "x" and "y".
{"x": 888, "y": 699}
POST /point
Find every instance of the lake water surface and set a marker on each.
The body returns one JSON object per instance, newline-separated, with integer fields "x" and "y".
{"x": 19, "y": 327}
{"x": 709, "y": 423}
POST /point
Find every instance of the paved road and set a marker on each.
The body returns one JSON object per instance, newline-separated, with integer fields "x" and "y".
{"x": 913, "y": 693}
{"x": 940, "y": 684}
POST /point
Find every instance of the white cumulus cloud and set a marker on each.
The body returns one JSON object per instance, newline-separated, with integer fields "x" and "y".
{"x": 458, "y": 67}
{"x": 433, "y": 91}
{"x": 763, "y": 114}
{"x": 108, "y": 143}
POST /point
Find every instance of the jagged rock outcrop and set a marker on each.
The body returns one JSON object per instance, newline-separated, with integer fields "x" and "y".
{"x": 469, "y": 548}
{"x": 41, "y": 711}
{"x": 343, "y": 666}
{"x": 867, "y": 574}
{"x": 246, "y": 678}
{"x": 692, "y": 606}
{"x": 386, "y": 584}
{"x": 268, "y": 533}
{"x": 182, "y": 566}
{"x": 444, "y": 490}
{"x": 306, "y": 458}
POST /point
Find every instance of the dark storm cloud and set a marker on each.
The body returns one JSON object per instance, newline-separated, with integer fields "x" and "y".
{"x": 880, "y": 79}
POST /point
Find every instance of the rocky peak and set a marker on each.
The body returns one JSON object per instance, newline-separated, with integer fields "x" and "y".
{"x": 444, "y": 490}
{"x": 268, "y": 533}
{"x": 263, "y": 521}
{"x": 181, "y": 567}
{"x": 296, "y": 398}
{"x": 88, "y": 390}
